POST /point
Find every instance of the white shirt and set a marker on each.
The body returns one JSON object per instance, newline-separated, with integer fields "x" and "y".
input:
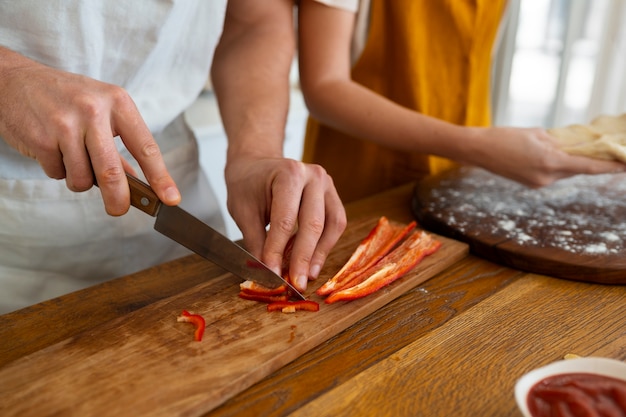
{"x": 361, "y": 9}
{"x": 349, "y": 5}
{"x": 53, "y": 240}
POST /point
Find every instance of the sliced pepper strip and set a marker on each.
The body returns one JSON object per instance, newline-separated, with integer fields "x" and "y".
{"x": 195, "y": 319}
{"x": 254, "y": 288}
{"x": 393, "y": 266}
{"x": 264, "y": 298}
{"x": 412, "y": 244}
{"x": 292, "y": 306}
{"x": 381, "y": 239}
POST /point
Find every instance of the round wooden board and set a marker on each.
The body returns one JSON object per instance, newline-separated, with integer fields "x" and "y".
{"x": 573, "y": 229}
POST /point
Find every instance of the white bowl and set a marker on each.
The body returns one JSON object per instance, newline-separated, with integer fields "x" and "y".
{"x": 600, "y": 366}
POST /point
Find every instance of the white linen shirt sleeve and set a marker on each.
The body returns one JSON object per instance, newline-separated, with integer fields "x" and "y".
{"x": 349, "y": 5}
{"x": 361, "y": 8}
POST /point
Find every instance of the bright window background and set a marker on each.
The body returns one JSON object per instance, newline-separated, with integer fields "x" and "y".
{"x": 560, "y": 62}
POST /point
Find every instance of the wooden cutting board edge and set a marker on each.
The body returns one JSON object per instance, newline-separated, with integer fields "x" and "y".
{"x": 38, "y": 366}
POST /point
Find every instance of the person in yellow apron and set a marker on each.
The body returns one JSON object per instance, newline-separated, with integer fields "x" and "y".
{"x": 415, "y": 99}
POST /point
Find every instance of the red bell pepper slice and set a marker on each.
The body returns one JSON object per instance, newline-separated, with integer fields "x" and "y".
{"x": 410, "y": 248}
{"x": 293, "y": 306}
{"x": 264, "y": 298}
{"x": 393, "y": 266}
{"x": 381, "y": 239}
{"x": 195, "y": 319}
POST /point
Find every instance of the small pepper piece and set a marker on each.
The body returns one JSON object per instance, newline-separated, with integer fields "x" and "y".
{"x": 254, "y": 288}
{"x": 393, "y": 266}
{"x": 195, "y": 319}
{"x": 293, "y": 306}
{"x": 381, "y": 239}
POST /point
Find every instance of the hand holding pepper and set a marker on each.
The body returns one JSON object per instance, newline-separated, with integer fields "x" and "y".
{"x": 263, "y": 186}
{"x": 293, "y": 198}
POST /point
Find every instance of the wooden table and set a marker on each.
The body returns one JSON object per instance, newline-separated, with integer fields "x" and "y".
{"x": 454, "y": 345}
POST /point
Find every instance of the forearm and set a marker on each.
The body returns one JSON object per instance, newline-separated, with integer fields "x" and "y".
{"x": 250, "y": 75}
{"x": 325, "y": 35}
{"x": 370, "y": 116}
{"x": 298, "y": 201}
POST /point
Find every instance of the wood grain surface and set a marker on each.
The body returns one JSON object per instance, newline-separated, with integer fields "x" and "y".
{"x": 574, "y": 229}
{"x": 430, "y": 378}
{"x": 26, "y": 331}
{"x": 111, "y": 368}
{"x": 454, "y": 344}
{"x": 372, "y": 339}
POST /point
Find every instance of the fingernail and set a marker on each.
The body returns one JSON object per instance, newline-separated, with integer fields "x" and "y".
{"x": 172, "y": 195}
{"x": 301, "y": 282}
{"x": 315, "y": 271}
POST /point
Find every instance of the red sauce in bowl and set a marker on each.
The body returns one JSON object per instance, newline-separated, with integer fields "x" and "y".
{"x": 578, "y": 395}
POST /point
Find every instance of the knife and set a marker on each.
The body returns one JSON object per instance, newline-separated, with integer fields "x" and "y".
{"x": 187, "y": 230}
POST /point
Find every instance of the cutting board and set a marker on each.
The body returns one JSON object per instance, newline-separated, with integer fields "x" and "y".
{"x": 573, "y": 229}
{"x": 147, "y": 364}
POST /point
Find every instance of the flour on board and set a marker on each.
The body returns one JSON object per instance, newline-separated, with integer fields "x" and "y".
{"x": 583, "y": 214}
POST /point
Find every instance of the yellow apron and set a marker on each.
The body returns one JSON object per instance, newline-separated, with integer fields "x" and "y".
{"x": 432, "y": 56}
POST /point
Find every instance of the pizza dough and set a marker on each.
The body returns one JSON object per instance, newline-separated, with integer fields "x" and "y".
{"x": 603, "y": 138}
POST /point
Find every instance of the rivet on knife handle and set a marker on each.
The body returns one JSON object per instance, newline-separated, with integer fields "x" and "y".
{"x": 142, "y": 196}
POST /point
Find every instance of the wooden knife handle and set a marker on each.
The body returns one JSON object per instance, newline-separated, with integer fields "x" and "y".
{"x": 142, "y": 196}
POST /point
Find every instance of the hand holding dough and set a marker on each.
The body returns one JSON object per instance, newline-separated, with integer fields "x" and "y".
{"x": 603, "y": 138}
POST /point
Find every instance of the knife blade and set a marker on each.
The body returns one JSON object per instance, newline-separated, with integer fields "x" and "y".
{"x": 197, "y": 236}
